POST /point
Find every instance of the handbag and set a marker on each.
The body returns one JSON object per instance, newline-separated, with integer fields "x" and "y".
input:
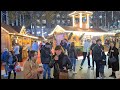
{"x": 112, "y": 59}
{"x": 18, "y": 68}
{"x": 63, "y": 75}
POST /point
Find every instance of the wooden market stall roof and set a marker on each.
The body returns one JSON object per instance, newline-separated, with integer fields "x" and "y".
{"x": 19, "y": 31}
{"x": 76, "y": 29}
{"x": 8, "y": 28}
{"x": 117, "y": 34}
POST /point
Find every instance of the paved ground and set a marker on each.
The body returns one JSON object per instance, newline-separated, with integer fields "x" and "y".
{"x": 85, "y": 73}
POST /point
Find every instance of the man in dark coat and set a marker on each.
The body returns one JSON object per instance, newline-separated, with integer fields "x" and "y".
{"x": 113, "y": 51}
{"x": 45, "y": 58}
{"x": 97, "y": 56}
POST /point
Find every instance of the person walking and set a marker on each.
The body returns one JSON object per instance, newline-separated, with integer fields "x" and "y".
{"x": 35, "y": 46}
{"x": 4, "y": 59}
{"x": 12, "y": 62}
{"x": 91, "y": 48}
{"x": 113, "y": 53}
{"x": 86, "y": 53}
{"x": 45, "y": 59}
{"x": 16, "y": 51}
{"x": 72, "y": 54}
{"x": 97, "y": 57}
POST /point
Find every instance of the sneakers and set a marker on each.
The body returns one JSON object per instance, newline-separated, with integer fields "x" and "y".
{"x": 112, "y": 76}
{"x": 74, "y": 72}
{"x": 98, "y": 78}
{"x": 5, "y": 75}
{"x": 89, "y": 66}
{"x": 81, "y": 67}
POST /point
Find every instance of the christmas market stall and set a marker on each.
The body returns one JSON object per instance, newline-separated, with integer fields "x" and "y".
{"x": 11, "y": 35}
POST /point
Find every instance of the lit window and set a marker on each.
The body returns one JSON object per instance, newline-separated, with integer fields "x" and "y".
{"x": 44, "y": 21}
{"x": 58, "y": 15}
{"x": 58, "y": 21}
{"x": 63, "y": 21}
{"x": 38, "y": 26}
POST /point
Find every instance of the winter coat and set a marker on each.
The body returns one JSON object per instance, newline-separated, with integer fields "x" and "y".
{"x": 12, "y": 62}
{"x": 30, "y": 70}
{"x": 16, "y": 50}
{"x": 97, "y": 52}
{"x": 72, "y": 52}
{"x": 115, "y": 65}
{"x": 35, "y": 46}
{"x": 5, "y": 56}
{"x": 86, "y": 47}
{"x": 45, "y": 55}
{"x": 58, "y": 65}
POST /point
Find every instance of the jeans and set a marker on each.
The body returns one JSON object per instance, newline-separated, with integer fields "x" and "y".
{"x": 84, "y": 57}
{"x": 9, "y": 74}
{"x": 97, "y": 68}
{"x": 73, "y": 61}
{"x": 46, "y": 70}
{"x": 6, "y": 69}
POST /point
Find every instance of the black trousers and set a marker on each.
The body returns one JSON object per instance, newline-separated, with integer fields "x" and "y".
{"x": 84, "y": 57}
{"x": 92, "y": 61}
{"x": 97, "y": 67}
{"x": 9, "y": 74}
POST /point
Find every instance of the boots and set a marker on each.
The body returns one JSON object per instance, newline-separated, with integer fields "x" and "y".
{"x": 113, "y": 75}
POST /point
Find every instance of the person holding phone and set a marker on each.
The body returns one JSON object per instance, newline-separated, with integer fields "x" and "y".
{"x": 61, "y": 64}
{"x": 31, "y": 68}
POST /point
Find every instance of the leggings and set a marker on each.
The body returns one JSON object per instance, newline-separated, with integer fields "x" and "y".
{"x": 9, "y": 74}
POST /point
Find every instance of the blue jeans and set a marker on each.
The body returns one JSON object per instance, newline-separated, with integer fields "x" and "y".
{"x": 46, "y": 70}
{"x": 6, "y": 69}
{"x": 73, "y": 61}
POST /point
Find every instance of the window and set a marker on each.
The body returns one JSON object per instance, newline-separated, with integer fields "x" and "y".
{"x": 68, "y": 21}
{"x": 44, "y": 21}
{"x": 38, "y": 26}
{"x": 63, "y": 16}
{"x": 58, "y": 21}
{"x": 63, "y": 21}
{"x": 53, "y": 21}
{"x": 58, "y": 15}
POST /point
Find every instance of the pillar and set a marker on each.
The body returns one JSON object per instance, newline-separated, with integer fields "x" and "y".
{"x": 73, "y": 17}
{"x": 87, "y": 25}
{"x": 80, "y": 20}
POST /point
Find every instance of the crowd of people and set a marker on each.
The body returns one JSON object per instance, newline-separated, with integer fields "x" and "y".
{"x": 62, "y": 60}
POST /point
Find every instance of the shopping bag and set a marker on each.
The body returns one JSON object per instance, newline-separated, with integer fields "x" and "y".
{"x": 18, "y": 68}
